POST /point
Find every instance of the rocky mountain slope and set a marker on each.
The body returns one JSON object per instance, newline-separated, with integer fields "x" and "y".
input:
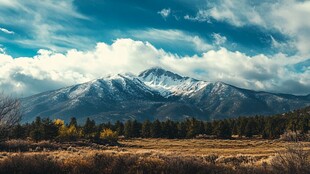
{"x": 155, "y": 94}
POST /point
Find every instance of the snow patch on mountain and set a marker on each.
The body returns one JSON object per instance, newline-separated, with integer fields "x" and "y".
{"x": 168, "y": 83}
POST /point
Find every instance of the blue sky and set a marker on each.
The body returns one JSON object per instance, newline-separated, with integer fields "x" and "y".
{"x": 259, "y": 45}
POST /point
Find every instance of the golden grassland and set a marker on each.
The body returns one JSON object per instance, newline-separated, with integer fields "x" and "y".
{"x": 259, "y": 148}
{"x": 231, "y": 156}
{"x": 193, "y": 147}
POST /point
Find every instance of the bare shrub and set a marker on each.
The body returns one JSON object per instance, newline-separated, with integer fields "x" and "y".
{"x": 102, "y": 160}
{"x": 295, "y": 136}
{"x": 10, "y": 114}
{"x": 35, "y": 164}
{"x": 211, "y": 158}
{"x": 15, "y": 145}
{"x": 19, "y": 145}
{"x": 77, "y": 165}
{"x": 186, "y": 165}
{"x": 236, "y": 160}
{"x": 108, "y": 163}
{"x": 116, "y": 163}
{"x": 204, "y": 136}
{"x": 149, "y": 163}
{"x": 293, "y": 160}
{"x": 123, "y": 164}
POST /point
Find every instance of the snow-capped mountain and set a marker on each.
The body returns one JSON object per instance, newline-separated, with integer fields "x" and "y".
{"x": 155, "y": 94}
{"x": 171, "y": 84}
{"x": 111, "y": 95}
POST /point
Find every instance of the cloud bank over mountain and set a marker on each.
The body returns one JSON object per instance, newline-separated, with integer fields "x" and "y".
{"x": 260, "y": 45}
{"x": 50, "y": 70}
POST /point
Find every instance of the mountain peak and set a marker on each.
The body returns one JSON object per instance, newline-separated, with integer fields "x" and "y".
{"x": 158, "y": 72}
{"x": 169, "y": 83}
{"x": 119, "y": 76}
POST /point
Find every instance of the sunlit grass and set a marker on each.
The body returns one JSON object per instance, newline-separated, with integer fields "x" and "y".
{"x": 147, "y": 155}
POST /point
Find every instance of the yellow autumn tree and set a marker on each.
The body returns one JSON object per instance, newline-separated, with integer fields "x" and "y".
{"x": 108, "y": 135}
{"x": 59, "y": 122}
{"x": 67, "y": 132}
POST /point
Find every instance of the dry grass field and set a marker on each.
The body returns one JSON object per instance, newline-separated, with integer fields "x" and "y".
{"x": 196, "y": 147}
{"x": 240, "y": 156}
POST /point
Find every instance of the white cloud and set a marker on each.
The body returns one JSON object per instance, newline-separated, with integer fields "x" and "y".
{"x": 290, "y": 17}
{"x": 173, "y": 37}
{"x": 201, "y": 16}
{"x": 43, "y": 23}
{"x": 218, "y": 39}
{"x": 165, "y": 12}
{"x": 238, "y": 13}
{"x": 2, "y": 50}
{"x": 282, "y": 46}
{"x": 51, "y": 70}
{"x": 6, "y": 31}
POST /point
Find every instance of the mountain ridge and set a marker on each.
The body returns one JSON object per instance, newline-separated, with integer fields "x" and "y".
{"x": 156, "y": 94}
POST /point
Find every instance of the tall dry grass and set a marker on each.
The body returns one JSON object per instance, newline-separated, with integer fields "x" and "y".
{"x": 294, "y": 160}
{"x": 109, "y": 163}
{"x": 78, "y": 158}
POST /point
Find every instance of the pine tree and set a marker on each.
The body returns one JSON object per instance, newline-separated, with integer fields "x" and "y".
{"x": 195, "y": 128}
{"x": 208, "y": 128}
{"x": 304, "y": 125}
{"x": 107, "y": 125}
{"x": 201, "y": 128}
{"x": 128, "y": 129}
{"x": 136, "y": 129}
{"x": 73, "y": 122}
{"x": 119, "y": 128}
{"x": 223, "y": 130}
{"x": 18, "y": 132}
{"x": 156, "y": 129}
{"x": 250, "y": 128}
{"x": 242, "y": 122}
{"x": 89, "y": 128}
{"x": 146, "y": 129}
{"x": 37, "y": 131}
{"x": 169, "y": 129}
{"x": 50, "y": 130}
{"x": 260, "y": 123}
{"x": 181, "y": 126}
{"x": 275, "y": 126}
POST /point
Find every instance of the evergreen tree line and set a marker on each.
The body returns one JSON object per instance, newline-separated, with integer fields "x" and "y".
{"x": 270, "y": 127}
